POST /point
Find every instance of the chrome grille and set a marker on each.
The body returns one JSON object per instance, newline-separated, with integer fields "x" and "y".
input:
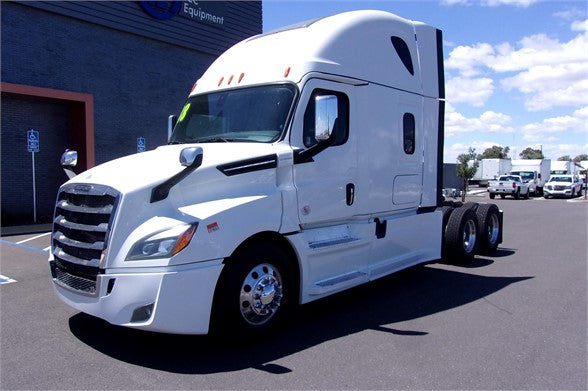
{"x": 83, "y": 216}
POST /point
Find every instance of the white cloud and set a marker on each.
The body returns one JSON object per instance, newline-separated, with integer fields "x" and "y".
{"x": 549, "y": 73}
{"x": 550, "y": 129}
{"x": 490, "y": 3}
{"x": 467, "y": 90}
{"x": 580, "y": 25}
{"x": 549, "y": 86}
{"x": 489, "y": 121}
{"x": 469, "y": 59}
{"x": 517, "y": 3}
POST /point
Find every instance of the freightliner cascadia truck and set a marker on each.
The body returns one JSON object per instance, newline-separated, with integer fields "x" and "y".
{"x": 306, "y": 161}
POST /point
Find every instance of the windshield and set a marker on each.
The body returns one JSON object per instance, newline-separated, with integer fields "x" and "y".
{"x": 257, "y": 114}
{"x": 560, "y": 179}
{"x": 509, "y": 178}
{"x": 526, "y": 175}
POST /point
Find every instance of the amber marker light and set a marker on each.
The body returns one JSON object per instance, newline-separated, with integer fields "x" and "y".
{"x": 184, "y": 239}
{"x": 287, "y": 72}
{"x": 241, "y": 77}
{"x": 220, "y": 81}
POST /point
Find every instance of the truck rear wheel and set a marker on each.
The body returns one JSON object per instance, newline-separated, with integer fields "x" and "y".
{"x": 488, "y": 217}
{"x": 254, "y": 292}
{"x": 492, "y": 195}
{"x": 461, "y": 235}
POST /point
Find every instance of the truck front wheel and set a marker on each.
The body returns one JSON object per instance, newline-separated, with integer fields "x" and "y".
{"x": 254, "y": 291}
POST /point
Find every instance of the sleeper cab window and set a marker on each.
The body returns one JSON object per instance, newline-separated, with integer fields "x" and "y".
{"x": 330, "y": 111}
{"x": 403, "y": 52}
{"x": 408, "y": 126}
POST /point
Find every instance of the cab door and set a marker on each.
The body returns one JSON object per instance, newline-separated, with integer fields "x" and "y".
{"x": 326, "y": 182}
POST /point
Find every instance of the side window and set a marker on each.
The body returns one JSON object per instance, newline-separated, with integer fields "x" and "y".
{"x": 408, "y": 125}
{"x": 339, "y": 110}
{"x": 403, "y": 52}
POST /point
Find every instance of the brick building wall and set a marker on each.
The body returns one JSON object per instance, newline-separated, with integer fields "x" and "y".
{"x": 138, "y": 69}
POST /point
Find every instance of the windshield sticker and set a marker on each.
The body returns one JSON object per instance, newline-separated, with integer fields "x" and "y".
{"x": 183, "y": 113}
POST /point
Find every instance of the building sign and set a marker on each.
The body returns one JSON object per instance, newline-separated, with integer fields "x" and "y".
{"x": 208, "y": 12}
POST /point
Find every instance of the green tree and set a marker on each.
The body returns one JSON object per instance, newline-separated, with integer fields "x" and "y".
{"x": 580, "y": 158}
{"x": 530, "y": 153}
{"x": 495, "y": 152}
{"x": 564, "y": 158}
{"x": 466, "y": 170}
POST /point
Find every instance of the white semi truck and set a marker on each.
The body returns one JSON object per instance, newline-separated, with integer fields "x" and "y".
{"x": 306, "y": 161}
{"x": 491, "y": 169}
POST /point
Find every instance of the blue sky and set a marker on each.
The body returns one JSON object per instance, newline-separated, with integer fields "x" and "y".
{"x": 516, "y": 70}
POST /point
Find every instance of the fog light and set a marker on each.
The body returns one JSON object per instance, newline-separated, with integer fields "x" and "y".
{"x": 142, "y": 314}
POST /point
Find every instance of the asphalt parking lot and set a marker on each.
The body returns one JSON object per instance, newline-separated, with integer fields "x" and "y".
{"x": 516, "y": 320}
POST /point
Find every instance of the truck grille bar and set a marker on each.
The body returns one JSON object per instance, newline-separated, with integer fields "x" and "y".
{"x": 83, "y": 217}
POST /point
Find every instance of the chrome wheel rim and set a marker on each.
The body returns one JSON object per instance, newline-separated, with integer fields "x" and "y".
{"x": 261, "y": 294}
{"x": 493, "y": 229}
{"x": 469, "y": 236}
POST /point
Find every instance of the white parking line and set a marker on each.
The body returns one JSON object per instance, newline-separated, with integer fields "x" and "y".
{"x": 33, "y": 238}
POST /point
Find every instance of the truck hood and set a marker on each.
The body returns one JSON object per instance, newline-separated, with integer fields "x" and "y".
{"x": 150, "y": 168}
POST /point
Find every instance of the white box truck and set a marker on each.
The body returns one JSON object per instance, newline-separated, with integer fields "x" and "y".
{"x": 491, "y": 169}
{"x": 536, "y": 172}
{"x": 305, "y": 161}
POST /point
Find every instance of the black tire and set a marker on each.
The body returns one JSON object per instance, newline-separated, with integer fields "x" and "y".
{"x": 446, "y": 210}
{"x": 492, "y": 195}
{"x": 527, "y": 195}
{"x": 517, "y": 194}
{"x": 461, "y": 235}
{"x": 255, "y": 291}
{"x": 489, "y": 228}
{"x": 503, "y": 196}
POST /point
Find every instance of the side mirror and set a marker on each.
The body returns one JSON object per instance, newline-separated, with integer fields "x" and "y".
{"x": 172, "y": 120}
{"x": 69, "y": 158}
{"x": 191, "y": 156}
{"x": 325, "y": 116}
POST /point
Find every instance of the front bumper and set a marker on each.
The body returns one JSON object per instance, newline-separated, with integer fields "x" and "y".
{"x": 557, "y": 193}
{"x": 174, "y": 299}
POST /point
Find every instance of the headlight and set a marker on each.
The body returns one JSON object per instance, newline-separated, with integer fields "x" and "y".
{"x": 163, "y": 244}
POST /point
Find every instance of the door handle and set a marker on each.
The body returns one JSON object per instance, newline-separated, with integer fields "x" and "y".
{"x": 350, "y": 193}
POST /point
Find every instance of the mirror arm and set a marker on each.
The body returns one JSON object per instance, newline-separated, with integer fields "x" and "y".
{"x": 161, "y": 191}
{"x": 306, "y": 155}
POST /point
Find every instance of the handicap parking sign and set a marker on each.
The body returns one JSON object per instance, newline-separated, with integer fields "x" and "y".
{"x": 32, "y": 140}
{"x": 141, "y": 144}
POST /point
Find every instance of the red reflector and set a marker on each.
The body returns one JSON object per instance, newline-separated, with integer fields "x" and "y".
{"x": 221, "y": 81}
{"x": 241, "y": 77}
{"x": 514, "y": 185}
{"x": 287, "y": 72}
{"x": 194, "y": 86}
{"x": 230, "y": 79}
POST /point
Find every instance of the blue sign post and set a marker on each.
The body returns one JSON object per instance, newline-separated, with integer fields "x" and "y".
{"x": 141, "y": 144}
{"x": 33, "y": 143}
